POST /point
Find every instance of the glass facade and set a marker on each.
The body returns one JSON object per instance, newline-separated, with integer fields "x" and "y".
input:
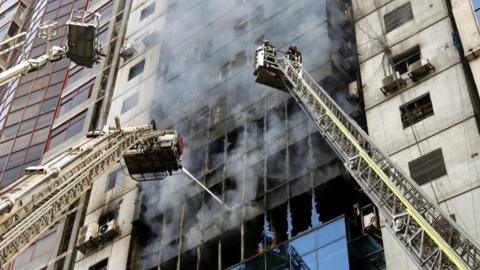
{"x": 35, "y": 100}
{"x": 324, "y": 247}
{"x": 251, "y": 145}
{"x": 476, "y": 9}
{"x": 32, "y": 103}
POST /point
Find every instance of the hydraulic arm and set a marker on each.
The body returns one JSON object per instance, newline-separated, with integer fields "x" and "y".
{"x": 41, "y": 198}
{"x": 428, "y": 235}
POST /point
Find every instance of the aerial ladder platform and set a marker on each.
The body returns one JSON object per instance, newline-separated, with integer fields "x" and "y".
{"x": 426, "y": 233}
{"x": 34, "y": 203}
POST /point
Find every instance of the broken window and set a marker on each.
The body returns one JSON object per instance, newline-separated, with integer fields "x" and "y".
{"x": 218, "y": 111}
{"x": 427, "y": 167}
{"x": 109, "y": 215}
{"x": 113, "y": 178}
{"x": 136, "y": 70}
{"x": 241, "y": 24}
{"x": 223, "y": 72}
{"x": 416, "y": 110}
{"x": 406, "y": 58}
{"x": 398, "y": 17}
{"x": 102, "y": 265}
{"x": 147, "y": 11}
{"x": 240, "y": 60}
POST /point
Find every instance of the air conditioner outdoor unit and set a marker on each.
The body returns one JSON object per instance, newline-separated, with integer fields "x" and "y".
{"x": 127, "y": 50}
{"x": 370, "y": 221}
{"x": 108, "y": 230}
{"x": 353, "y": 92}
{"x": 392, "y": 83}
{"x": 87, "y": 236}
{"x": 419, "y": 68}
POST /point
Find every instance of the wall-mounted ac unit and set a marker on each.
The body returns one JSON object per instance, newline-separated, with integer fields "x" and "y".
{"x": 419, "y": 68}
{"x": 127, "y": 50}
{"x": 370, "y": 221}
{"x": 87, "y": 236}
{"x": 108, "y": 230}
{"x": 392, "y": 83}
{"x": 353, "y": 92}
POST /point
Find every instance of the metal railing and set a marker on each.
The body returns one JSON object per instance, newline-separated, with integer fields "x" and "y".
{"x": 429, "y": 235}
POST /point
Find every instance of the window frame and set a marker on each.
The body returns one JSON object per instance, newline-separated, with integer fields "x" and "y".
{"x": 404, "y": 110}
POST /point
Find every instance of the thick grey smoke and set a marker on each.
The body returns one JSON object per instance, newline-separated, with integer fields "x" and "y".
{"x": 206, "y": 59}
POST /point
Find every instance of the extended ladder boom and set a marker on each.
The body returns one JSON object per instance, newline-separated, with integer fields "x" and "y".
{"x": 429, "y": 235}
{"x": 42, "y": 196}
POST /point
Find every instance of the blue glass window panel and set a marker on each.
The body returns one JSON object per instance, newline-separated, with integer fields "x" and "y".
{"x": 330, "y": 233}
{"x": 305, "y": 243}
{"x": 476, "y": 4}
{"x": 311, "y": 260}
{"x": 477, "y": 14}
{"x": 334, "y": 256}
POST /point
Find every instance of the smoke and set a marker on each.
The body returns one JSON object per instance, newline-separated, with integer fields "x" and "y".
{"x": 204, "y": 77}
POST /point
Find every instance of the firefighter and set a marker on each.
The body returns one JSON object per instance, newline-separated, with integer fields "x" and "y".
{"x": 294, "y": 55}
{"x": 269, "y": 48}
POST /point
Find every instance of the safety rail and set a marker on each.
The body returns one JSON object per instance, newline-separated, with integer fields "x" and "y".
{"x": 46, "y": 206}
{"x": 428, "y": 234}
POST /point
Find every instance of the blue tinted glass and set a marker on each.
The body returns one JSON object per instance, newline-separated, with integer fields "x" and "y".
{"x": 477, "y": 13}
{"x": 476, "y": 4}
{"x": 311, "y": 261}
{"x": 334, "y": 256}
{"x": 330, "y": 233}
{"x": 304, "y": 244}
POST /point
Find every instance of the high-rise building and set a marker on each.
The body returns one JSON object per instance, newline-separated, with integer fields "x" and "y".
{"x": 48, "y": 110}
{"x": 419, "y": 71}
{"x": 251, "y": 145}
{"x": 409, "y": 68}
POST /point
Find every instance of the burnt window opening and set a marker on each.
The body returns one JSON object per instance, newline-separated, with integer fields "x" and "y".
{"x": 13, "y": 30}
{"x": 113, "y": 178}
{"x": 241, "y": 24}
{"x": 398, "y": 17}
{"x": 427, "y": 167}
{"x": 216, "y": 153}
{"x": 406, "y": 58}
{"x": 109, "y": 215}
{"x": 218, "y": 112}
{"x": 235, "y": 140}
{"x": 147, "y": 11}
{"x": 260, "y": 39}
{"x": 223, "y": 72}
{"x": 257, "y": 15}
{"x": 255, "y": 133}
{"x": 66, "y": 234}
{"x": 240, "y": 60}
{"x": 136, "y": 70}
{"x": 416, "y": 110}
{"x": 201, "y": 120}
{"x": 101, "y": 265}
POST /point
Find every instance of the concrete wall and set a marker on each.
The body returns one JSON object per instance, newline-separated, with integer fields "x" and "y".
{"x": 125, "y": 192}
{"x": 452, "y": 127}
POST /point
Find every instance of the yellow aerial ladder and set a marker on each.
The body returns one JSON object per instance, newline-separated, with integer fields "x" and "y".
{"x": 431, "y": 238}
{"x": 35, "y": 202}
